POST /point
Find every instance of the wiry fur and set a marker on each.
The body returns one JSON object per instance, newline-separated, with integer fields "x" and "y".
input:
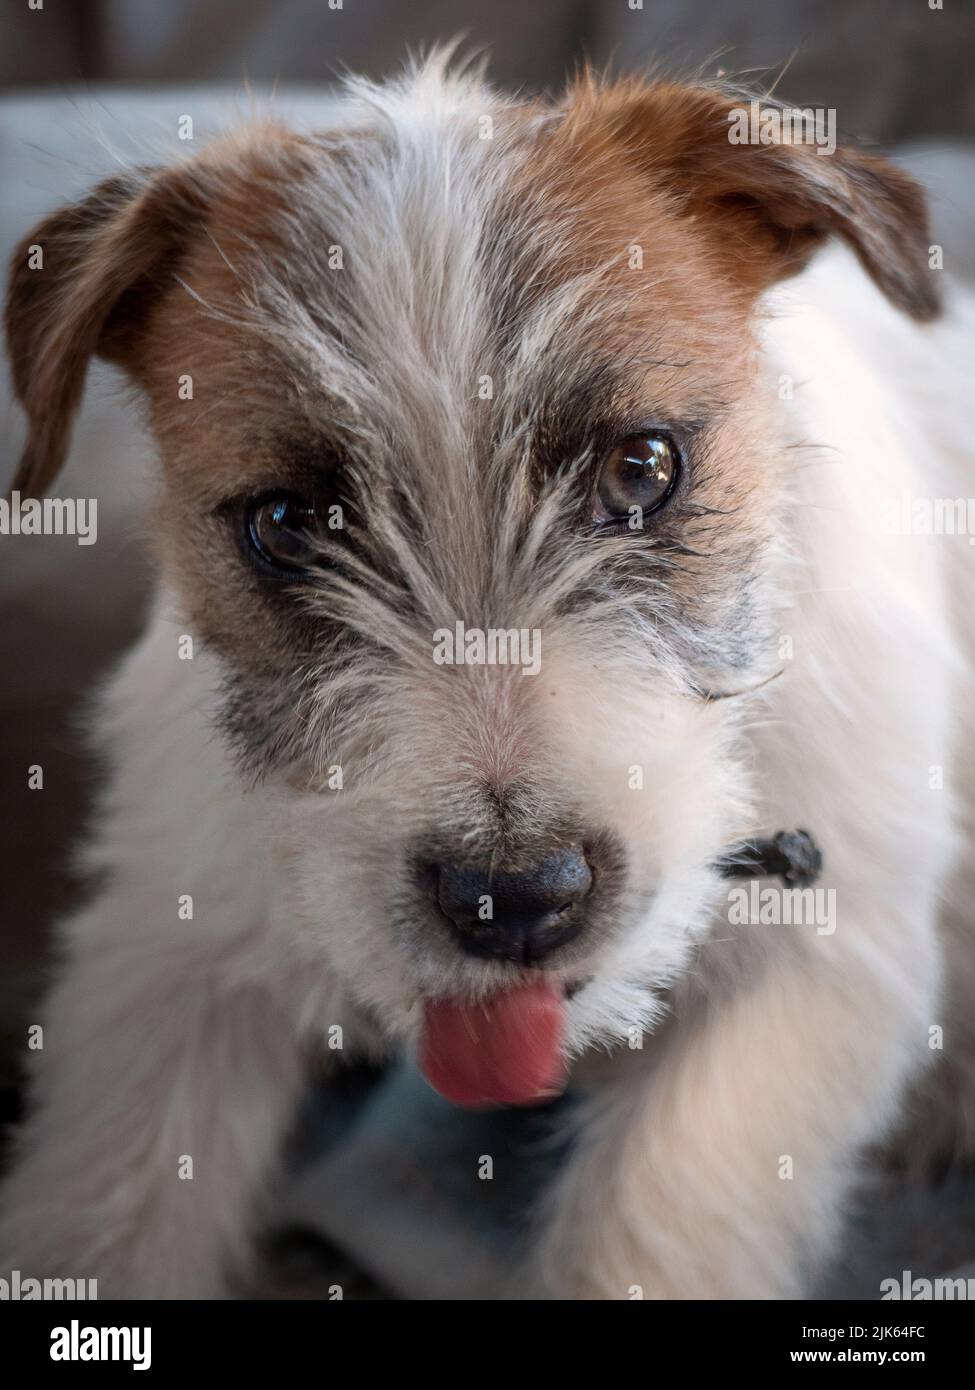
{"x": 507, "y": 258}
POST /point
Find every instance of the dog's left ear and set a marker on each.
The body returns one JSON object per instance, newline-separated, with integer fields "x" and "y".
{"x": 80, "y": 284}
{"x": 765, "y": 206}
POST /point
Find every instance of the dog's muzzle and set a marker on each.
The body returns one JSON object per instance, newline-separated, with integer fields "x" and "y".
{"x": 519, "y": 915}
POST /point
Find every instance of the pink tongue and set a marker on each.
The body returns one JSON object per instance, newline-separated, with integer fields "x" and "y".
{"x": 507, "y": 1050}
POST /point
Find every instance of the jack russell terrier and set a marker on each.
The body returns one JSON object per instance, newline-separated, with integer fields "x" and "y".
{"x": 526, "y": 473}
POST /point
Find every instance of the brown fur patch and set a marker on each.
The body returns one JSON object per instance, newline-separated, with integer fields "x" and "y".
{"x": 762, "y": 209}
{"x": 167, "y": 274}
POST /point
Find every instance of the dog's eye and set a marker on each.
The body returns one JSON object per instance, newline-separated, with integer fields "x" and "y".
{"x": 639, "y": 473}
{"x": 279, "y": 530}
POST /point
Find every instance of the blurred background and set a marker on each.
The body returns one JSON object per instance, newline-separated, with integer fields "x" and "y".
{"x": 896, "y": 69}
{"x": 88, "y": 84}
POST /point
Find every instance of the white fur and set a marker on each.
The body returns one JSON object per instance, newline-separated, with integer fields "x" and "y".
{"x": 803, "y": 1049}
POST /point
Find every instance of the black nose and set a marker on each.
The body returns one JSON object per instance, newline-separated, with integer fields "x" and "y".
{"x": 515, "y": 914}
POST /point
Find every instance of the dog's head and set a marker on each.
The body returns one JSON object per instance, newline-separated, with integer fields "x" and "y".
{"x": 470, "y": 487}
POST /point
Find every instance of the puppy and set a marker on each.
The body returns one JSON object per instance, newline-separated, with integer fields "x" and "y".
{"x": 461, "y": 381}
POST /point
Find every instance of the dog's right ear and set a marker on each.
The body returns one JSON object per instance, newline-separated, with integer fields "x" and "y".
{"x": 80, "y": 284}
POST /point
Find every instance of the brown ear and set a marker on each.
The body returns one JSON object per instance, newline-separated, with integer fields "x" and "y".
{"x": 79, "y": 285}
{"x": 768, "y": 206}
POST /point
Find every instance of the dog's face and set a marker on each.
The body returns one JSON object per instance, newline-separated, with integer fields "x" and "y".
{"x": 471, "y": 487}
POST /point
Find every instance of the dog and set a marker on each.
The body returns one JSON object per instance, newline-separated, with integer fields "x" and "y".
{"x": 522, "y": 550}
